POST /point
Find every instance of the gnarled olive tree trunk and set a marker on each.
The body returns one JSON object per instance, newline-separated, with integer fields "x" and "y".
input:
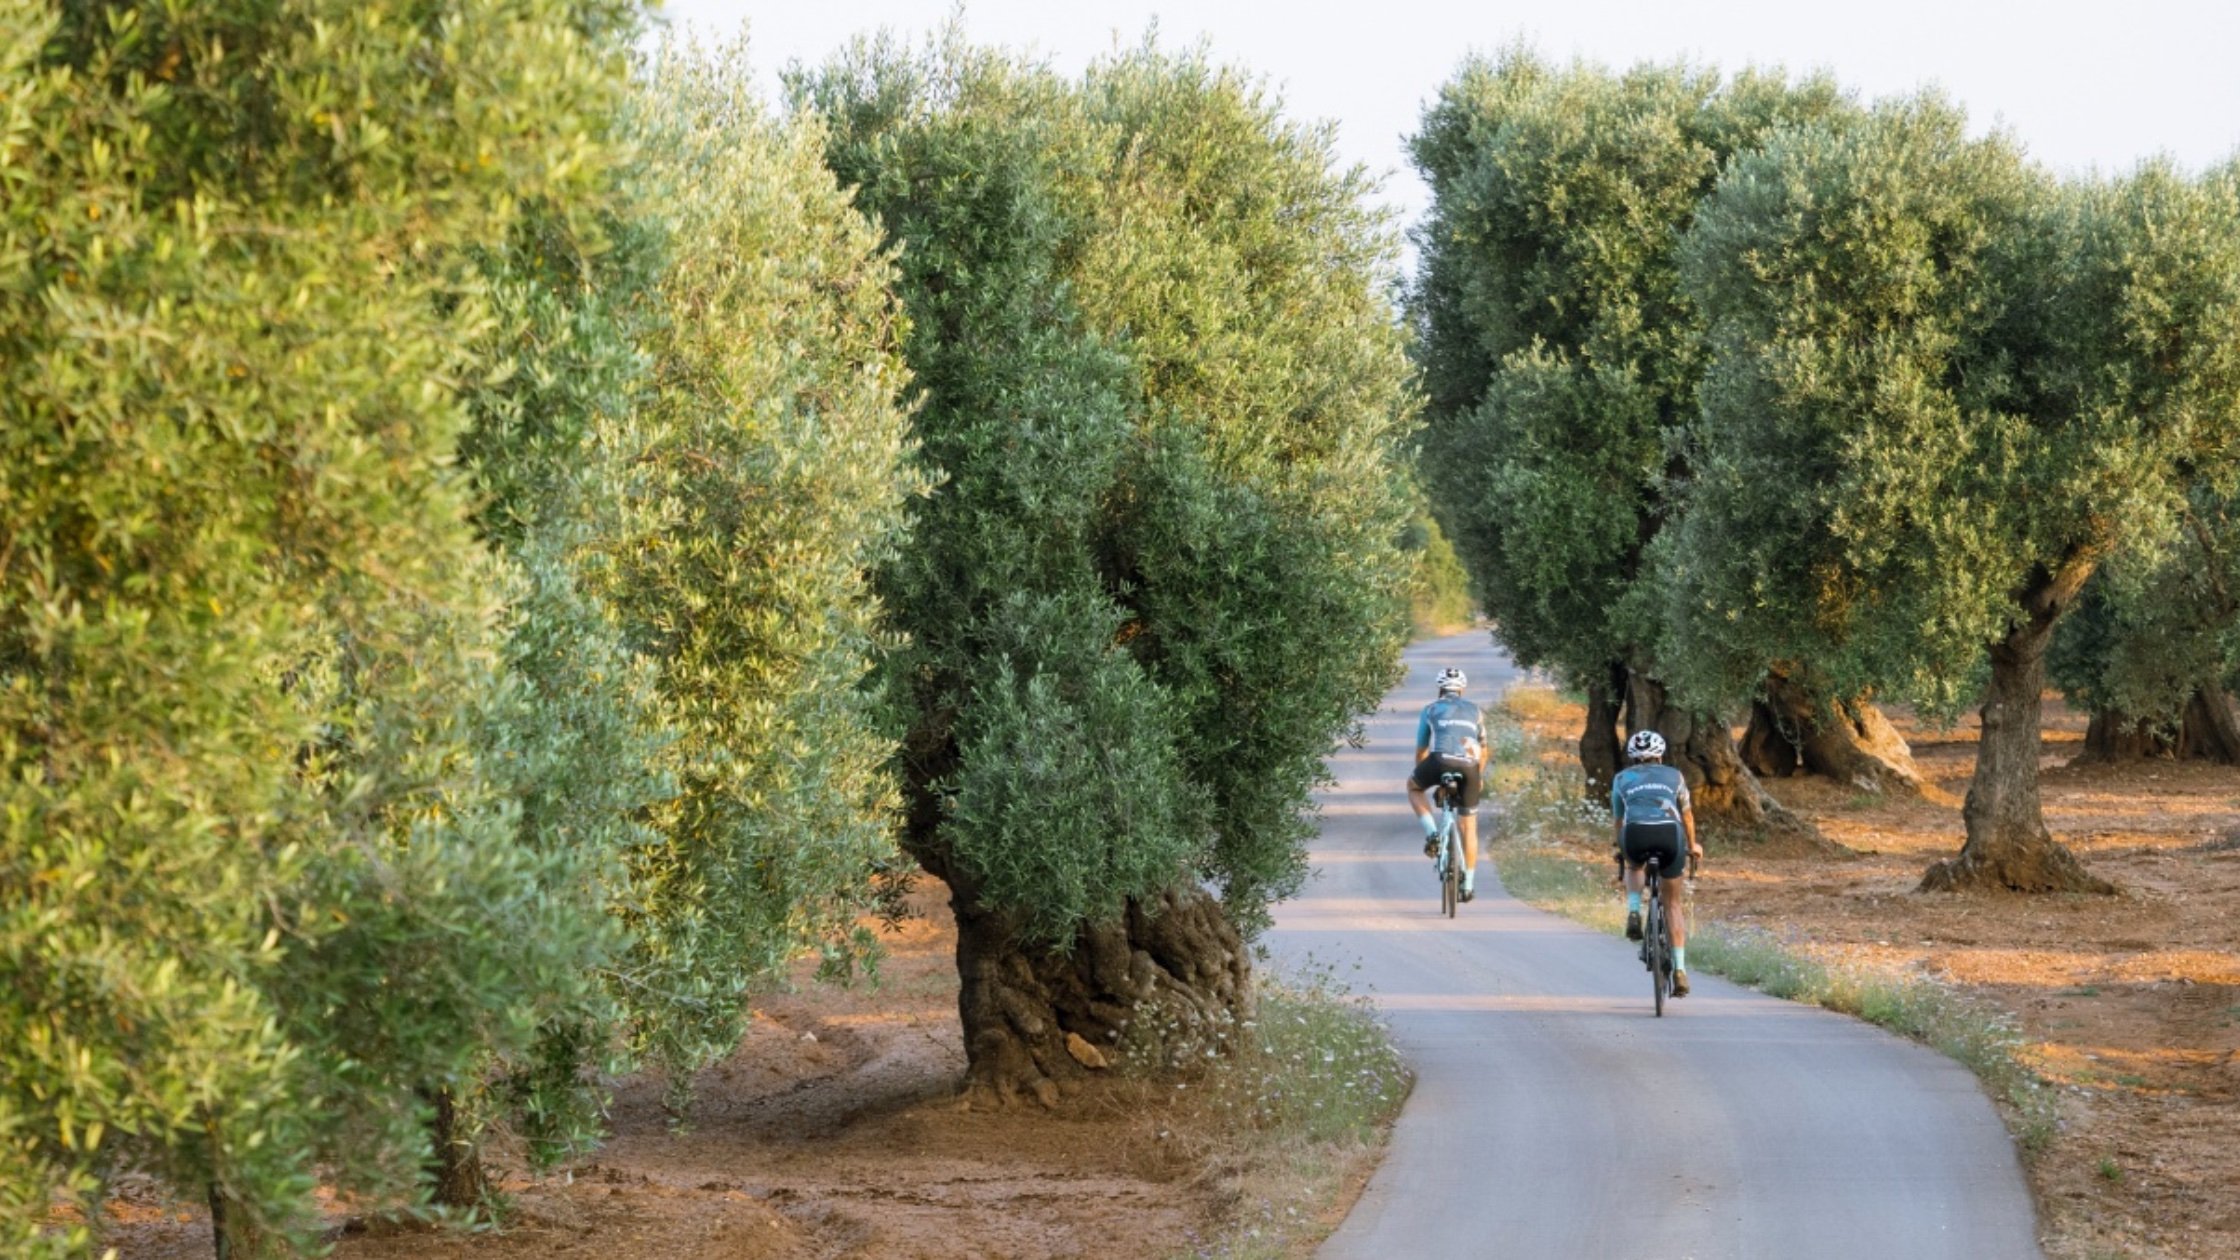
{"x": 2205, "y": 731}
{"x": 1599, "y": 750}
{"x": 1036, "y": 1021}
{"x": 1849, "y": 741}
{"x": 1701, "y": 747}
{"x": 2008, "y": 846}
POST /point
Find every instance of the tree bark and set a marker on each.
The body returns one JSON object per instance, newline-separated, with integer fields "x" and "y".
{"x": 2008, "y": 846}
{"x": 2205, "y": 731}
{"x": 2209, "y": 731}
{"x": 1701, "y": 747}
{"x": 1177, "y": 958}
{"x": 1766, "y": 748}
{"x": 221, "y": 1242}
{"x": 1845, "y": 740}
{"x": 454, "y": 1163}
{"x": 2114, "y": 736}
{"x": 233, "y": 1233}
{"x": 1598, "y": 741}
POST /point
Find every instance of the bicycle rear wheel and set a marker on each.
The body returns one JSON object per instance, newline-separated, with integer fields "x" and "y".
{"x": 1658, "y": 942}
{"x": 1450, "y": 875}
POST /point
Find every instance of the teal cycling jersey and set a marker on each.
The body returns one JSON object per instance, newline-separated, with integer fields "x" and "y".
{"x": 1451, "y": 727}
{"x": 1648, "y": 794}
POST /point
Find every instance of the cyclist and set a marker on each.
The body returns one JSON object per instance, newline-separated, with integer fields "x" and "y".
{"x": 1451, "y": 735}
{"x": 1652, "y": 814}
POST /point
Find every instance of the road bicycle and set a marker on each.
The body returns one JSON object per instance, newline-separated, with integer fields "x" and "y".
{"x": 1449, "y": 841}
{"x": 1656, "y": 930}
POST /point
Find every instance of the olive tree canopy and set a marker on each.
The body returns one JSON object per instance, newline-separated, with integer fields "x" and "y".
{"x": 1944, "y": 387}
{"x": 1561, "y": 356}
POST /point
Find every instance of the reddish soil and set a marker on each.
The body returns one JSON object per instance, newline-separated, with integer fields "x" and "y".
{"x": 833, "y": 1132}
{"x": 2130, "y": 1005}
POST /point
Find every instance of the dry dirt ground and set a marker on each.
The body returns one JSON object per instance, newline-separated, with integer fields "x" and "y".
{"x": 2130, "y": 1005}
{"x": 835, "y": 1132}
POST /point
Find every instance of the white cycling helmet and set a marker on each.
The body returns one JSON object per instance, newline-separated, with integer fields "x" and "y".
{"x": 1452, "y": 680}
{"x": 1645, "y": 746}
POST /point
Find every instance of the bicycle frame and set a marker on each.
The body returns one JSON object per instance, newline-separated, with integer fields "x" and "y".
{"x": 1656, "y": 936}
{"x": 1450, "y": 842}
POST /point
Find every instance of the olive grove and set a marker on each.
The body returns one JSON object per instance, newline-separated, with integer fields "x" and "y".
{"x": 1945, "y": 386}
{"x": 433, "y": 541}
{"x": 1561, "y": 353}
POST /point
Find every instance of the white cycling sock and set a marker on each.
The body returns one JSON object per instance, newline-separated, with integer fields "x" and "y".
{"x": 1430, "y": 825}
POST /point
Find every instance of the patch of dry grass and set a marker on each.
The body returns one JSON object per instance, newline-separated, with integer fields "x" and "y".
{"x": 1287, "y": 1111}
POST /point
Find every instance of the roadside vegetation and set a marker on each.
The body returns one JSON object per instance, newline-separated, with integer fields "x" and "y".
{"x": 1285, "y": 1110}
{"x": 1440, "y": 601}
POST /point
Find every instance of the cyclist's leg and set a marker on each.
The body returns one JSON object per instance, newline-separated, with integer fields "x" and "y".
{"x": 1466, "y": 821}
{"x": 1472, "y": 789}
{"x": 1673, "y": 892}
{"x": 1420, "y": 802}
{"x": 1631, "y": 858}
{"x": 1465, "y": 802}
{"x": 1669, "y": 846}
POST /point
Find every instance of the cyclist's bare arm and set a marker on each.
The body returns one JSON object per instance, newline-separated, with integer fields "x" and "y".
{"x": 1688, "y": 823}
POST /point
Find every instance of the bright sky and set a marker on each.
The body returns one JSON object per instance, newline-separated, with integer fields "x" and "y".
{"x": 2083, "y": 83}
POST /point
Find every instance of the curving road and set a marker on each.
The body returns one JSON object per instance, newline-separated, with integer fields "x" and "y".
{"x": 1554, "y": 1118}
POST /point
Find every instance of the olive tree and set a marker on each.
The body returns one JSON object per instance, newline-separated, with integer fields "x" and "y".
{"x": 261, "y": 897}
{"x": 1561, "y": 356}
{"x": 1158, "y": 575}
{"x": 754, "y": 480}
{"x": 1944, "y": 387}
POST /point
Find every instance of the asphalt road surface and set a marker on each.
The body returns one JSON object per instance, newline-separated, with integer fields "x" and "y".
{"x": 1555, "y": 1117}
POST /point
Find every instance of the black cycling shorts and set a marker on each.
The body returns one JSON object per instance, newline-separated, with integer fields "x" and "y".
{"x": 1430, "y": 768}
{"x": 1663, "y": 840}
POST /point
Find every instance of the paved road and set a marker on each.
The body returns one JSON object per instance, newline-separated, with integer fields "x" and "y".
{"x": 1747, "y": 1128}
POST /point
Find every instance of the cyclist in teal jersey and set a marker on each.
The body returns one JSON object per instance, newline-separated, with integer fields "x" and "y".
{"x": 1652, "y": 814}
{"x": 1451, "y": 735}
